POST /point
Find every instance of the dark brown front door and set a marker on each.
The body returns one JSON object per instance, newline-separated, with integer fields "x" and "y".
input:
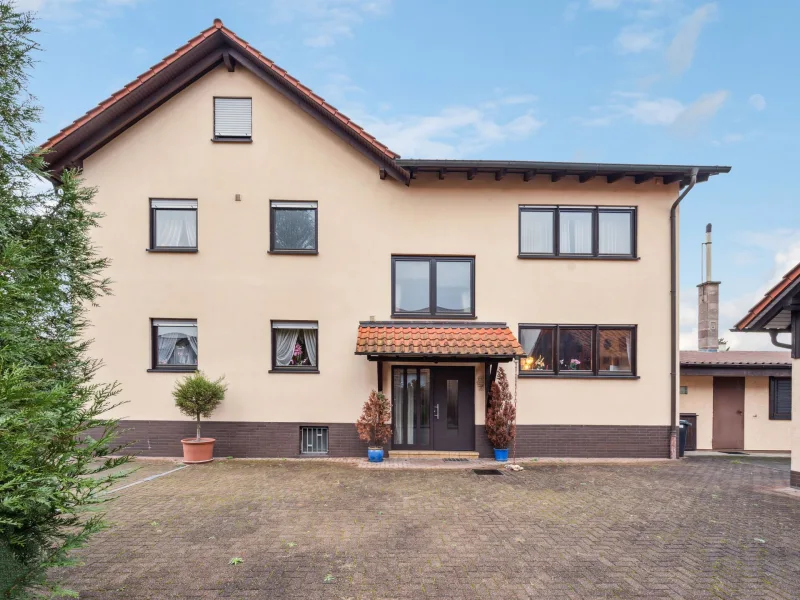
{"x": 453, "y": 408}
{"x": 728, "y": 430}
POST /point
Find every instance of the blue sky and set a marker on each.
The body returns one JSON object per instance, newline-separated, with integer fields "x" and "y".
{"x": 659, "y": 81}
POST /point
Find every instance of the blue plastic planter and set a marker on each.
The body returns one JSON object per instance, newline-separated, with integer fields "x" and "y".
{"x": 376, "y": 454}
{"x": 501, "y": 455}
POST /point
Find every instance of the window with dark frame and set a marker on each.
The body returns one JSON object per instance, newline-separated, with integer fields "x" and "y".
{"x": 233, "y": 119}
{"x": 174, "y": 344}
{"x": 173, "y": 225}
{"x": 433, "y": 286}
{"x": 577, "y": 232}
{"x": 293, "y": 227}
{"x": 313, "y": 440}
{"x": 780, "y": 398}
{"x": 578, "y": 350}
{"x": 294, "y": 347}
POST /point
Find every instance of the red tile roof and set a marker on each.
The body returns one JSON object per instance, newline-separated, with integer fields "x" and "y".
{"x": 435, "y": 338}
{"x": 735, "y": 358}
{"x": 331, "y": 111}
{"x": 787, "y": 280}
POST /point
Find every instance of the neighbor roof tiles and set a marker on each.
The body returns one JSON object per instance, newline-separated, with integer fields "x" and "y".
{"x": 734, "y": 358}
{"x": 774, "y": 292}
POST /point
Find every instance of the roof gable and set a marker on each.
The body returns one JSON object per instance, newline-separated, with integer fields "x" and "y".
{"x": 773, "y": 302}
{"x": 213, "y": 47}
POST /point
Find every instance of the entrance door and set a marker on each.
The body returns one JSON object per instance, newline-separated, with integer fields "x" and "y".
{"x": 454, "y": 408}
{"x": 728, "y": 429}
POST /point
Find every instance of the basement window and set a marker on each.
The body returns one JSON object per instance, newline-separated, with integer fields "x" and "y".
{"x": 233, "y": 119}
{"x": 313, "y": 440}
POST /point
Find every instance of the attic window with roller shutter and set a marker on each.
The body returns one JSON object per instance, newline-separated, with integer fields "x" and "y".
{"x": 233, "y": 119}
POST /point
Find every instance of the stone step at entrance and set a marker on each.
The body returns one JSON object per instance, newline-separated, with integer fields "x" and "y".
{"x": 434, "y": 454}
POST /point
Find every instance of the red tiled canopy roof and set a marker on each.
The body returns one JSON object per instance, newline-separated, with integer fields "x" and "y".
{"x": 492, "y": 340}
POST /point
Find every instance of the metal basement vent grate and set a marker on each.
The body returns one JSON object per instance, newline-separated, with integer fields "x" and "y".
{"x": 487, "y": 471}
{"x": 455, "y": 459}
{"x": 313, "y": 440}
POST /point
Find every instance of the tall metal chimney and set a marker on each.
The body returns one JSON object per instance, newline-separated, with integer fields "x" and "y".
{"x": 708, "y": 304}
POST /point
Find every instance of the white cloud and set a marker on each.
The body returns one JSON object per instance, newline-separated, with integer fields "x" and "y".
{"x": 642, "y": 108}
{"x": 325, "y": 22}
{"x": 635, "y": 39}
{"x": 757, "y": 101}
{"x": 87, "y": 13}
{"x": 454, "y": 132}
{"x": 682, "y": 48}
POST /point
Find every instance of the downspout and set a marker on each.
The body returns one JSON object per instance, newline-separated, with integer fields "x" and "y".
{"x": 673, "y": 263}
{"x": 773, "y": 335}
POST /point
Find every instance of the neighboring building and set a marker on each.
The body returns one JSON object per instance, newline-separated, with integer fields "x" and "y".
{"x": 737, "y": 400}
{"x": 255, "y": 231}
{"x": 779, "y": 312}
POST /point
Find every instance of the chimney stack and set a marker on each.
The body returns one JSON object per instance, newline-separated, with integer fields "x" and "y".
{"x": 708, "y": 304}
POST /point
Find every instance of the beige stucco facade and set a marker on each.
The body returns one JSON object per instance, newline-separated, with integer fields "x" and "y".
{"x": 760, "y": 432}
{"x": 234, "y": 287}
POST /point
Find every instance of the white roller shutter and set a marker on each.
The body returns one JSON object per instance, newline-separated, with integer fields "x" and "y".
{"x": 233, "y": 117}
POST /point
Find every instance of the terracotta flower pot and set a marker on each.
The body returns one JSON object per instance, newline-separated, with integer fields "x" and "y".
{"x": 198, "y": 451}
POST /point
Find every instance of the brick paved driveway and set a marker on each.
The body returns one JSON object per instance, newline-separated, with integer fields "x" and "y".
{"x": 704, "y": 528}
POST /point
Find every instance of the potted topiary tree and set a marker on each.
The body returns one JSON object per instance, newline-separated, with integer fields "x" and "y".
{"x": 197, "y": 396}
{"x": 373, "y": 424}
{"x": 501, "y": 418}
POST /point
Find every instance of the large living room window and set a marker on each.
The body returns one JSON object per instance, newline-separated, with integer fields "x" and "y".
{"x": 780, "y": 398}
{"x": 433, "y": 286}
{"x": 174, "y": 344}
{"x": 578, "y": 350}
{"x": 293, "y": 227}
{"x": 173, "y": 225}
{"x": 577, "y": 232}
{"x": 294, "y": 347}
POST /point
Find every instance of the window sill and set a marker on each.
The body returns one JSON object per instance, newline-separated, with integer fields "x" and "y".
{"x": 234, "y": 140}
{"x": 187, "y": 370}
{"x": 576, "y": 257}
{"x": 173, "y": 250}
{"x": 574, "y": 376}
{"x": 295, "y": 252}
{"x": 296, "y": 371}
{"x": 445, "y": 317}
{"x": 780, "y": 418}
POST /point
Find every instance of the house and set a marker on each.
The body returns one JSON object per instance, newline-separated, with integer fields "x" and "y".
{"x": 733, "y": 400}
{"x": 737, "y": 400}
{"x": 779, "y": 312}
{"x": 257, "y": 232}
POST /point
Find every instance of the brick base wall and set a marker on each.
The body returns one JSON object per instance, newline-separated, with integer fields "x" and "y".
{"x": 585, "y": 441}
{"x": 794, "y": 479}
{"x": 244, "y": 439}
{"x": 241, "y": 439}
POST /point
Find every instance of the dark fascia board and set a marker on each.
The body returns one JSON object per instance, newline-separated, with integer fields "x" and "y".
{"x": 674, "y": 173}
{"x": 787, "y": 297}
{"x": 200, "y": 60}
{"x": 436, "y": 324}
{"x": 737, "y": 371}
{"x": 374, "y": 356}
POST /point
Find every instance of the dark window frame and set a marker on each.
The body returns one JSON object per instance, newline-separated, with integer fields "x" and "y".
{"x": 152, "y": 247}
{"x": 595, "y": 373}
{"x": 230, "y": 138}
{"x": 405, "y": 369}
{"x": 272, "y": 209}
{"x": 312, "y": 369}
{"x": 154, "y": 366}
{"x": 773, "y": 399}
{"x": 433, "y": 260}
{"x": 556, "y": 210}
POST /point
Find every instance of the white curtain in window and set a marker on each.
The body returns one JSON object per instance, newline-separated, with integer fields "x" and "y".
{"x": 285, "y": 340}
{"x": 628, "y": 344}
{"x": 576, "y": 233}
{"x": 536, "y": 232}
{"x": 176, "y": 228}
{"x": 615, "y": 233}
{"x": 166, "y": 347}
{"x": 310, "y": 337}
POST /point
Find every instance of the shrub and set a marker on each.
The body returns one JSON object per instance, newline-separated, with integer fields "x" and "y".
{"x": 197, "y": 396}
{"x": 373, "y": 424}
{"x": 501, "y": 419}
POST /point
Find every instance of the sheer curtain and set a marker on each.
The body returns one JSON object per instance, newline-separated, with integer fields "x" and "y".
{"x": 166, "y": 347}
{"x": 285, "y": 339}
{"x": 576, "y": 233}
{"x": 536, "y": 232}
{"x": 615, "y": 233}
{"x": 176, "y": 228}
{"x": 310, "y": 337}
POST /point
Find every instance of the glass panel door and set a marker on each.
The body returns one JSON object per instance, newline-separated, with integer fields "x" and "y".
{"x": 411, "y": 407}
